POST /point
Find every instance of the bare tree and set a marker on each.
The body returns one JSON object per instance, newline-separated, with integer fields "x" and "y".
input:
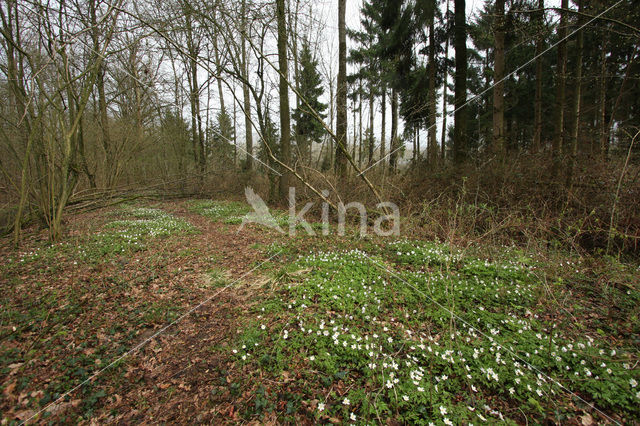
{"x": 245, "y": 85}
{"x": 61, "y": 82}
{"x": 285, "y": 113}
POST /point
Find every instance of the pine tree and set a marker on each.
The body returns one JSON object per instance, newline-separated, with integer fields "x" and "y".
{"x": 405, "y": 29}
{"x": 222, "y": 140}
{"x": 366, "y": 56}
{"x": 558, "y": 135}
{"x": 309, "y": 128}
{"x": 498, "y": 83}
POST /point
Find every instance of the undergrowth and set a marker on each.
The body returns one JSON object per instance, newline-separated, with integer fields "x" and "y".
{"x": 133, "y": 230}
{"x": 234, "y": 212}
{"x": 230, "y": 212}
{"x": 422, "y": 334}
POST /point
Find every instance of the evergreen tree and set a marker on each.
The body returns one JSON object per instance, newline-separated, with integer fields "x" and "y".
{"x": 270, "y": 137}
{"x": 308, "y": 127}
{"x": 408, "y": 67}
{"x": 366, "y": 56}
{"x": 522, "y": 32}
{"x": 396, "y": 45}
{"x": 222, "y": 140}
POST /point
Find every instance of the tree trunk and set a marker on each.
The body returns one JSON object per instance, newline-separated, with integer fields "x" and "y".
{"x": 194, "y": 126}
{"x": 341, "y": 100}
{"x": 443, "y": 138}
{"x": 332, "y": 108}
{"x": 285, "y": 119}
{"x": 560, "y": 87}
{"x": 498, "y": 83}
{"x": 235, "y": 135}
{"x": 303, "y": 144}
{"x": 216, "y": 56}
{"x": 83, "y": 156}
{"x": 371, "y": 139}
{"x": 393, "y": 145}
{"x": 415, "y": 148}
{"x": 102, "y": 104}
{"x": 575, "y": 120}
{"x": 194, "y": 88}
{"x": 432, "y": 143}
{"x": 294, "y": 51}
{"x": 245, "y": 89}
{"x": 602, "y": 100}
{"x": 384, "y": 124}
{"x": 360, "y": 125}
{"x": 355, "y": 129}
{"x": 537, "y": 132}
{"x": 460, "y": 115}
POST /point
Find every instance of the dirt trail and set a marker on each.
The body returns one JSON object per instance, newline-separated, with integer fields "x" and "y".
{"x": 181, "y": 376}
{"x": 178, "y": 377}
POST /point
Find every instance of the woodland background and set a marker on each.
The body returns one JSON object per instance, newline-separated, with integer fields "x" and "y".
{"x": 518, "y": 124}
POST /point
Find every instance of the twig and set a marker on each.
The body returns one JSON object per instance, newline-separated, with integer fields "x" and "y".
{"x": 616, "y": 198}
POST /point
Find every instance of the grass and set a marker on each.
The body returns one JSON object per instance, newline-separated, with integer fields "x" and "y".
{"x": 420, "y": 334}
{"x": 230, "y": 212}
{"x": 216, "y": 278}
{"x": 233, "y": 213}
{"x": 142, "y": 226}
{"x": 132, "y": 231}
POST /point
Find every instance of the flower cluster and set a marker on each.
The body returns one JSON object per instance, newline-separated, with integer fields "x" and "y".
{"x": 413, "y": 341}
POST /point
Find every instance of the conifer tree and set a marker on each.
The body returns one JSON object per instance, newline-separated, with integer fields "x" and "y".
{"x": 222, "y": 139}
{"x": 366, "y": 56}
{"x": 308, "y": 128}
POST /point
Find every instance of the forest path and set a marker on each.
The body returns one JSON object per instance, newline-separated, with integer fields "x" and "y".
{"x": 73, "y": 308}
{"x": 181, "y": 375}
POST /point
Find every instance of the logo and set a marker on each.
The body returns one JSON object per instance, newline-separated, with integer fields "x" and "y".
{"x": 384, "y": 225}
{"x": 260, "y": 213}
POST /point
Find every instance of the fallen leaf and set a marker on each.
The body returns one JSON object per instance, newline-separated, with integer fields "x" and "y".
{"x": 286, "y": 377}
{"x": 586, "y": 420}
{"x": 15, "y": 365}
{"x": 9, "y": 389}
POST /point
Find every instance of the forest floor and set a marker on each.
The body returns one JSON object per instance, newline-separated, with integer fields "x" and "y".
{"x": 170, "y": 312}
